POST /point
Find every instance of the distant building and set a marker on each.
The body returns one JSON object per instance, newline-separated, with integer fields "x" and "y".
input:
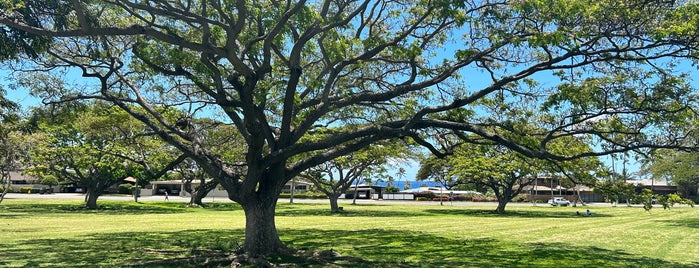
{"x": 365, "y": 191}
{"x": 176, "y": 187}
{"x": 546, "y": 187}
{"x": 300, "y": 186}
{"x": 20, "y": 180}
{"x": 657, "y": 186}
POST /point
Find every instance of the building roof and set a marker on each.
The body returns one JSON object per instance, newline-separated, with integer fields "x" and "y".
{"x": 18, "y": 176}
{"x": 437, "y": 190}
{"x": 654, "y": 182}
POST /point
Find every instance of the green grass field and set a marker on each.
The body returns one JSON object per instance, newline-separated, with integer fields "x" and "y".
{"x": 59, "y": 233}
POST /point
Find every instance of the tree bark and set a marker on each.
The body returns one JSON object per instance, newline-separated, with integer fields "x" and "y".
{"x": 261, "y": 237}
{"x": 196, "y": 198}
{"x": 502, "y": 202}
{"x": 198, "y": 194}
{"x": 5, "y": 184}
{"x": 91, "y": 198}
{"x": 334, "y": 207}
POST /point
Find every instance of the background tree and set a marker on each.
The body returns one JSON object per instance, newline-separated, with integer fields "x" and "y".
{"x": 283, "y": 71}
{"x": 616, "y": 190}
{"x": 190, "y": 173}
{"x": 334, "y": 177}
{"x": 222, "y": 138}
{"x": 9, "y": 143}
{"x": 82, "y": 152}
{"x": 678, "y": 168}
{"x": 438, "y": 170}
{"x": 96, "y": 145}
{"x": 504, "y": 172}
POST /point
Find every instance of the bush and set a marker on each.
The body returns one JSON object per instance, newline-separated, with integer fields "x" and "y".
{"x": 392, "y": 189}
{"x": 471, "y": 196}
{"x": 425, "y": 195}
{"x": 463, "y": 198}
{"x": 306, "y": 195}
{"x": 484, "y": 199}
{"x": 125, "y": 188}
{"x": 479, "y": 199}
{"x": 520, "y": 198}
{"x": 443, "y": 198}
{"x": 670, "y": 200}
{"x": 26, "y": 190}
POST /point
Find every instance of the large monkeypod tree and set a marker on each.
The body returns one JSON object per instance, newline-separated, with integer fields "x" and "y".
{"x": 351, "y": 73}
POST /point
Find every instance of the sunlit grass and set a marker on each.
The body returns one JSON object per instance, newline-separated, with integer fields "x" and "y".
{"x": 60, "y": 233}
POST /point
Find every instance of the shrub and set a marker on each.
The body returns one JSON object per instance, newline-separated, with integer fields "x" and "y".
{"x": 471, "y": 196}
{"x": 484, "y": 199}
{"x": 463, "y": 198}
{"x": 670, "y": 200}
{"x": 125, "y": 188}
{"x": 443, "y": 198}
{"x": 392, "y": 189}
{"x": 306, "y": 195}
{"x": 26, "y": 190}
{"x": 425, "y": 195}
{"x": 520, "y": 198}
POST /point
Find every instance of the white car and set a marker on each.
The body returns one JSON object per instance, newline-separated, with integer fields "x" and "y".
{"x": 559, "y": 201}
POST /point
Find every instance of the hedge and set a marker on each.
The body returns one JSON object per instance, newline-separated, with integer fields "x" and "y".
{"x": 304, "y": 195}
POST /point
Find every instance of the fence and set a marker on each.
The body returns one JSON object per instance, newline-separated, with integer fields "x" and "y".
{"x": 397, "y": 196}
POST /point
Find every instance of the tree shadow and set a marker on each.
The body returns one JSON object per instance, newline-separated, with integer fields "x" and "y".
{"x": 119, "y": 249}
{"x": 691, "y": 223}
{"x": 514, "y": 213}
{"x": 375, "y": 247}
{"x": 388, "y": 248}
{"x": 105, "y": 207}
{"x": 349, "y": 210}
{"x": 306, "y": 210}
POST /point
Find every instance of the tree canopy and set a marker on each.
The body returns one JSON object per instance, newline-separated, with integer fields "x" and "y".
{"x": 95, "y": 146}
{"x": 283, "y": 71}
{"x": 679, "y": 168}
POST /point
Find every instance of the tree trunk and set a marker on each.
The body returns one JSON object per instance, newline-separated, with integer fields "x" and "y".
{"x": 502, "y": 202}
{"x": 5, "y": 185}
{"x": 334, "y": 207}
{"x": 293, "y": 189}
{"x": 91, "y": 198}
{"x": 356, "y": 188}
{"x": 198, "y": 194}
{"x": 195, "y": 200}
{"x": 261, "y": 237}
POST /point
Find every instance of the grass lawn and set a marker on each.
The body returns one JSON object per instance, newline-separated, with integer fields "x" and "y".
{"x": 59, "y": 233}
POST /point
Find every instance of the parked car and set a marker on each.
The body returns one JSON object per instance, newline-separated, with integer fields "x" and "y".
{"x": 559, "y": 201}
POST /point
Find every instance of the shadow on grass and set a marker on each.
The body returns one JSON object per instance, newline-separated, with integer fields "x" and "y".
{"x": 454, "y": 211}
{"x": 513, "y": 213}
{"x": 384, "y": 248}
{"x": 691, "y": 223}
{"x": 373, "y": 247}
{"x": 348, "y": 212}
{"x": 118, "y": 249}
{"x": 104, "y": 207}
